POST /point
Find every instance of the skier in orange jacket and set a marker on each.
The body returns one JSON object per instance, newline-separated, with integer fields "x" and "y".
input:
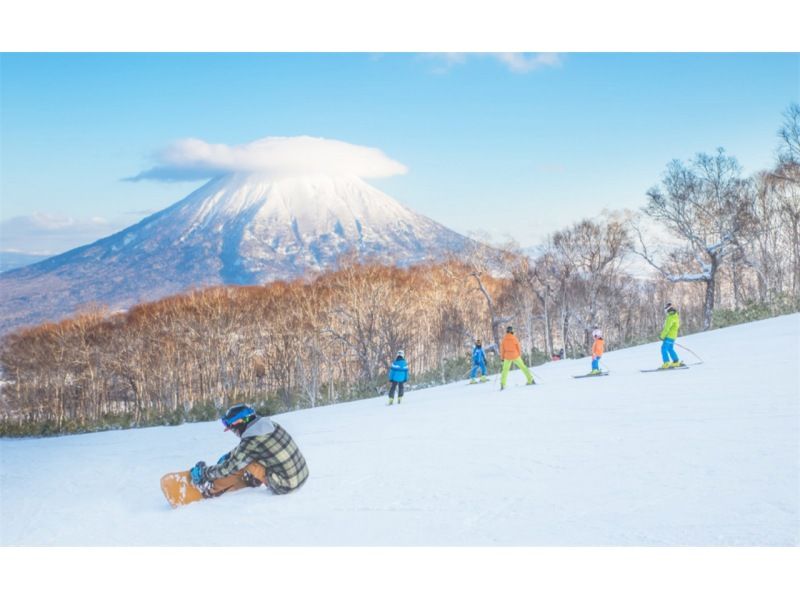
{"x": 511, "y": 352}
{"x": 597, "y": 351}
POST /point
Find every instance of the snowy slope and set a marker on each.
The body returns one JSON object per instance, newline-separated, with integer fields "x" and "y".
{"x": 705, "y": 456}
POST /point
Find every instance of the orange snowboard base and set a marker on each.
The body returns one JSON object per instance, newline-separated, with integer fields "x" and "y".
{"x": 179, "y": 490}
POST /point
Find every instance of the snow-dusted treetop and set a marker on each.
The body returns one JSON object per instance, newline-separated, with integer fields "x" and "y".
{"x": 195, "y": 159}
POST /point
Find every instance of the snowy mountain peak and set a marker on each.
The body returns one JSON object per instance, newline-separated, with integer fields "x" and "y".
{"x": 317, "y": 203}
{"x": 239, "y": 228}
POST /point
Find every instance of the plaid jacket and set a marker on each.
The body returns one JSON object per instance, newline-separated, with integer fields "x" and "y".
{"x": 277, "y": 452}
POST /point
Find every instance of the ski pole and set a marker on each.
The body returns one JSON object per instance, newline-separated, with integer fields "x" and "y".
{"x": 690, "y": 351}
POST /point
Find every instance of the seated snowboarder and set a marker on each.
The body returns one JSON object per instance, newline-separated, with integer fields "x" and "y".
{"x": 266, "y": 454}
{"x": 478, "y": 361}
{"x": 398, "y": 374}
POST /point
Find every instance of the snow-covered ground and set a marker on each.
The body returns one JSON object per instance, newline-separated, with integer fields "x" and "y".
{"x": 707, "y": 456}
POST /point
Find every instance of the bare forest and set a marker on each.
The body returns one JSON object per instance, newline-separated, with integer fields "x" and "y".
{"x": 727, "y": 250}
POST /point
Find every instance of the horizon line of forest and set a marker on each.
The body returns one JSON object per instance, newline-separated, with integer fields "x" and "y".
{"x": 732, "y": 255}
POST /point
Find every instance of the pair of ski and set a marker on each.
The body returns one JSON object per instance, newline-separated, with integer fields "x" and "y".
{"x": 602, "y": 373}
{"x": 680, "y": 367}
{"x": 606, "y": 372}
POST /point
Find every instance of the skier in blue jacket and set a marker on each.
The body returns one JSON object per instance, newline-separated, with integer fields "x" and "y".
{"x": 478, "y": 361}
{"x": 398, "y": 374}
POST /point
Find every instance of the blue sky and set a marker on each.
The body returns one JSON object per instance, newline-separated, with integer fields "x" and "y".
{"x": 511, "y": 145}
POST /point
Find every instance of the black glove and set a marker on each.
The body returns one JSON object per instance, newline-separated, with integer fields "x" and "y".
{"x": 251, "y": 480}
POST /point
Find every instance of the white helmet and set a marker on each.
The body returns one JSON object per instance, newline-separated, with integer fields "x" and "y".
{"x": 597, "y": 333}
{"x": 400, "y": 353}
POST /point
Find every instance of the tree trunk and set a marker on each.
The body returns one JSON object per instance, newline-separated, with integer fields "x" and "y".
{"x": 708, "y": 308}
{"x": 548, "y": 337}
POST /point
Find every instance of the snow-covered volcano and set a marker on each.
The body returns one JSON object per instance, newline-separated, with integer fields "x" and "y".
{"x": 240, "y": 228}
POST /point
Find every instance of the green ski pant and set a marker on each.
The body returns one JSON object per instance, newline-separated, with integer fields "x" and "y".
{"x": 507, "y": 366}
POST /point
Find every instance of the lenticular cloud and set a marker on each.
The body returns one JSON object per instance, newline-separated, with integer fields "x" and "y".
{"x": 194, "y": 159}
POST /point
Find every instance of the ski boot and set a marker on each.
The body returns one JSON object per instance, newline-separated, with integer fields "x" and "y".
{"x": 484, "y": 379}
{"x": 473, "y": 381}
{"x": 666, "y": 365}
{"x": 530, "y": 382}
{"x": 391, "y": 400}
{"x": 676, "y": 364}
{"x": 594, "y": 373}
{"x": 399, "y": 399}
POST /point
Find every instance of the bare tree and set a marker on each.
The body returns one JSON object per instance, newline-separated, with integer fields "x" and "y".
{"x": 785, "y": 183}
{"x": 594, "y": 250}
{"x": 484, "y": 263}
{"x": 789, "y": 133}
{"x": 708, "y": 205}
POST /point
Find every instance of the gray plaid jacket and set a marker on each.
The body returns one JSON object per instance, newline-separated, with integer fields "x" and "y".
{"x": 275, "y": 450}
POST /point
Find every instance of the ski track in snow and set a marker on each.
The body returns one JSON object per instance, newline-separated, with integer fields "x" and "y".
{"x": 702, "y": 457}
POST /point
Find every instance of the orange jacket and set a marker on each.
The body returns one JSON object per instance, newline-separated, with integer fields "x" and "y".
{"x": 597, "y": 347}
{"x": 509, "y": 347}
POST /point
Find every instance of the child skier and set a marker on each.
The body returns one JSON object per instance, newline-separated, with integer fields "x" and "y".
{"x": 478, "y": 361}
{"x": 266, "y": 455}
{"x": 511, "y": 352}
{"x": 668, "y": 335}
{"x": 398, "y": 374}
{"x": 597, "y": 351}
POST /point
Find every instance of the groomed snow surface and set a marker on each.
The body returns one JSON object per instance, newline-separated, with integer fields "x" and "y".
{"x": 708, "y": 456}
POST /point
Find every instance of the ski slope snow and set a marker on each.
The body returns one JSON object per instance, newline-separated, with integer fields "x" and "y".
{"x": 708, "y": 456}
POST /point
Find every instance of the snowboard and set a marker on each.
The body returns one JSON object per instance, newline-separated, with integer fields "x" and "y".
{"x": 682, "y": 367}
{"x": 179, "y": 489}
{"x": 603, "y": 373}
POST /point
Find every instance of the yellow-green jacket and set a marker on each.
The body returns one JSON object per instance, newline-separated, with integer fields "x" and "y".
{"x": 671, "y": 325}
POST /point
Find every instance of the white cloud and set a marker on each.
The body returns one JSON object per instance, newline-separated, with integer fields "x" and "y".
{"x": 516, "y": 62}
{"x": 195, "y": 159}
{"x": 521, "y": 62}
{"x": 45, "y": 234}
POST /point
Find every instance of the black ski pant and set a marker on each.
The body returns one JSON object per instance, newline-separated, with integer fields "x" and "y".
{"x": 398, "y": 386}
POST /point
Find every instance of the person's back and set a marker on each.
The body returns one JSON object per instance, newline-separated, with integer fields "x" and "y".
{"x": 478, "y": 356}
{"x": 672, "y": 324}
{"x": 597, "y": 350}
{"x": 509, "y": 347}
{"x": 398, "y": 372}
{"x": 669, "y": 333}
{"x": 478, "y": 363}
{"x": 272, "y": 446}
{"x": 398, "y": 375}
{"x": 511, "y": 352}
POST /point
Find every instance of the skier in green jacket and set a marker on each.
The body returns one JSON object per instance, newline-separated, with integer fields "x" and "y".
{"x": 668, "y": 335}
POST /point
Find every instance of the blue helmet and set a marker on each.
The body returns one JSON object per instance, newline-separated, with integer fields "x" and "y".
{"x": 238, "y": 416}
